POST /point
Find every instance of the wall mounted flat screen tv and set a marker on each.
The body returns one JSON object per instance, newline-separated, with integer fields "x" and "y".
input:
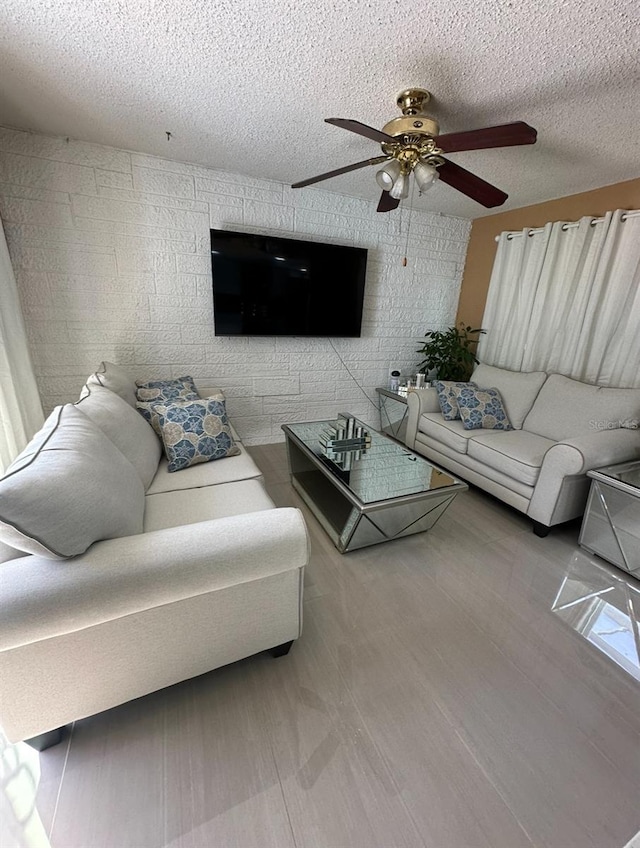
{"x": 268, "y": 286}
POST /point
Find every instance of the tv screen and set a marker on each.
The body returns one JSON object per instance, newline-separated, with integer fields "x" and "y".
{"x": 267, "y": 286}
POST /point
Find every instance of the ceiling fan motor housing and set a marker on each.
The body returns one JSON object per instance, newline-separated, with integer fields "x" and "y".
{"x": 415, "y": 132}
{"x": 414, "y": 120}
{"x": 412, "y": 125}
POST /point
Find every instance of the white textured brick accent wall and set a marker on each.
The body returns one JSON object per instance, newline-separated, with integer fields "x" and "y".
{"x": 111, "y": 254}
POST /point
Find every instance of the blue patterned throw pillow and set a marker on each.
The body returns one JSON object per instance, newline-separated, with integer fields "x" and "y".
{"x": 482, "y": 409}
{"x": 162, "y": 391}
{"x": 178, "y": 389}
{"x": 195, "y": 431}
{"x": 447, "y": 397}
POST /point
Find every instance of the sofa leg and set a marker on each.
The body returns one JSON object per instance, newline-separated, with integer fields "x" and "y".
{"x": 281, "y": 650}
{"x": 540, "y": 530}
{"x": 45, "y": 740}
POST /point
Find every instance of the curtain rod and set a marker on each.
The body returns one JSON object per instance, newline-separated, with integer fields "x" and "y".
{"x": 573, "y": 224}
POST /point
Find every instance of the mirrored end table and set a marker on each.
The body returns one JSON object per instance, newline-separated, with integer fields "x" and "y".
{"x": 611, "y": 523}
{"x": 393, "y": 413}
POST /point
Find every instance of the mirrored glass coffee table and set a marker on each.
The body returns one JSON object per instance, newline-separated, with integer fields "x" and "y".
{"x": 364, "y": 497}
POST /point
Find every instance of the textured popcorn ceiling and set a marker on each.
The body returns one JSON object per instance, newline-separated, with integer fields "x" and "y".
{"x": 244, "y": 85}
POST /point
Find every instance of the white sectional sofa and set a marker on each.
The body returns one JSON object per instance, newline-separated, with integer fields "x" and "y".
{"x": 182, "y": 573}
{"x": 562, "y": 428}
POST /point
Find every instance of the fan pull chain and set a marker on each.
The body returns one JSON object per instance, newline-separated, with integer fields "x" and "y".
{"x": 406, "y": 244}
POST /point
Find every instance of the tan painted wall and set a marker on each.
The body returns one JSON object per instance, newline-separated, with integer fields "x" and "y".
{"x": 482, "y": 246}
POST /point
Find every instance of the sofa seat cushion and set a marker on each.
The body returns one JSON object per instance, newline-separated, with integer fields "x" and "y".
{"x": 432, "y": 426}
{"x": 128, "y": 430}
{"x": 227, "y": 470}
{"x": 518, "y": 389}
{"x": 516, "y": 453}
{"x": 70, "y": 487}
{"x": 473, "y": 471}
{"x": 190, "y": 506}
{"x": 567, "y": 409}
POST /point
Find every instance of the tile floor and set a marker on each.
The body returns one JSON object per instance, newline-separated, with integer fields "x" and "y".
{"x": 471, "y": 687}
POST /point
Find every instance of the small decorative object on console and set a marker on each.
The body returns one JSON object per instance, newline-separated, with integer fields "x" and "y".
{"x": 347, "y": 433}
{"x": 345, "y": 442}
{"x": 345, "y": 458}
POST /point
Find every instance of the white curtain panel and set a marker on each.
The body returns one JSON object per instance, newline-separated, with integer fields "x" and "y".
{"x": 615, "y": 361}
{"x": 510, "y": 299}
{"x": 20, "y": 408}
{"x": 566, "y": 299}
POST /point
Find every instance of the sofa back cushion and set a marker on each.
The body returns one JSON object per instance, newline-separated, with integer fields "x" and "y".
{"x": 115, "y": 378}
{"x": 128, "y": 430}
{"x": 518, "y": 389}
{"x": 567, "y": 408}
{"x": 8, "y": 553}
{"x": 70, "y": 487}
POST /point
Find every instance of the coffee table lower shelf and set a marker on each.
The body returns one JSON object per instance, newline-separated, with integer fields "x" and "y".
{"x": 351, "y": 524}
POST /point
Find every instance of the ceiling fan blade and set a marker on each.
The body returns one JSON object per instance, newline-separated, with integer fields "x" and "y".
{"x": 387, "y": 203}
{"x": 471, "y": 185}
{"x": 504, "y": 135}
{"x": 360, "y": 129}
{"x": 375, "y": 161}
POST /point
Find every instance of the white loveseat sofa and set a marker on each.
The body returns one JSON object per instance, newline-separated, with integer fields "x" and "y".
{"x": 562, "y": 428}
{"x": 182, "y": 573}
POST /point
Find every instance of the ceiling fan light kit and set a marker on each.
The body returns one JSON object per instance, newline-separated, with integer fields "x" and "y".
{"x": 412, "y": 144}
{"x": 425, "y": 175}
{"x": 388, "y": 174}
{"x": 400, "y": 188}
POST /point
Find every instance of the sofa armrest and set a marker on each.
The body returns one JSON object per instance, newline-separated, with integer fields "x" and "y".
{"x": 573, "y": 458}
{"x": 117, "y": 577}
{"x": 419, "y": 402}
{"x": 604, "y": 447}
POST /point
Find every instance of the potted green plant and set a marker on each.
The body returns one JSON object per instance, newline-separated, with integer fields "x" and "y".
{"x": 450, "y": 353}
